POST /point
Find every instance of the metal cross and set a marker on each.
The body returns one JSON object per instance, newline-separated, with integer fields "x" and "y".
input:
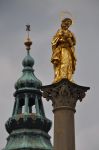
{"x": 28, "y": 29}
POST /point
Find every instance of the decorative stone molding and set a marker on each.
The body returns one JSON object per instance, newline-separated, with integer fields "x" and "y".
{"x": 64, "y": 93}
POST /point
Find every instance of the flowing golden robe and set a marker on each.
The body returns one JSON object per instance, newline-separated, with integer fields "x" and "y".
{"x": 63, "y": 55}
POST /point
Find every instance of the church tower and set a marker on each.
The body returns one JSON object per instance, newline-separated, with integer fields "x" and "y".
{"x": 28, "y": 126}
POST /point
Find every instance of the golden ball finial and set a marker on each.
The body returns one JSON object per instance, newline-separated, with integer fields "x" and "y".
{"x": 28, "y": 41}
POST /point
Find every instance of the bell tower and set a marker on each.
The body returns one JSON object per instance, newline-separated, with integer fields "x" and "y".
{"x": 28, "y": 126}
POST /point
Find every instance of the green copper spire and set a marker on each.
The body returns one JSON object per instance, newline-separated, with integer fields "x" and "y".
{"x": 28, "y": 79}
{"x": 28, "y": 126}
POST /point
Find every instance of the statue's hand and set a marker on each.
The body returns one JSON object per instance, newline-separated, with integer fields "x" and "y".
{"x": 70, "y": 42}
{"x": 55, "y": 61}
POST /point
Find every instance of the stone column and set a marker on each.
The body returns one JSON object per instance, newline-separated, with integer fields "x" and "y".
{"x": 15, "y": 111}
{"x": 64, "y": 96}
{"x": 26, "y": 109}
{"x": 64, "y": 136}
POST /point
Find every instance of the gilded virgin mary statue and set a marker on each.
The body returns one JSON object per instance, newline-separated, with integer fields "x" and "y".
{"x": 63, "y": 52}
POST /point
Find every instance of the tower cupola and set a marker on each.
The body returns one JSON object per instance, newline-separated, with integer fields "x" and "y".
{"x": 28, "y": 126}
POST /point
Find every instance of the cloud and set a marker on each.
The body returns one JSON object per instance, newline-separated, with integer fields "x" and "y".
{"x": 44, "y": 19}
{"x": 88, "y": 138}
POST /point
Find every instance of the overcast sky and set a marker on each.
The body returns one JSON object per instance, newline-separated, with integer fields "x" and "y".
{"x": 43, "y": 16}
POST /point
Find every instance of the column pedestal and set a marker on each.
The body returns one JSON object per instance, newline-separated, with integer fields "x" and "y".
{"x": 64, "y": 96}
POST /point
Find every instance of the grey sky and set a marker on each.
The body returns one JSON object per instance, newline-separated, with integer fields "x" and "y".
{"x": 43, "y": 15}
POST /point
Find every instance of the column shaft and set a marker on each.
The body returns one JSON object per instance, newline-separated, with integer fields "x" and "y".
{"x": 26, "y": 109}
{"x": 13, "y": 113}
{"x": 16, "y": 105}
{"x": 64, "y": 132}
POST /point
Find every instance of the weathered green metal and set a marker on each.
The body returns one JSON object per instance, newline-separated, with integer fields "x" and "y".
{"x": 28, "y": 128}
{"x": 29, "y": 140}
{"x": 28, "y": 79}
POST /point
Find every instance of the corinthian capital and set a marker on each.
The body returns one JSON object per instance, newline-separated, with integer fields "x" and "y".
{"x": 64, "y": 93}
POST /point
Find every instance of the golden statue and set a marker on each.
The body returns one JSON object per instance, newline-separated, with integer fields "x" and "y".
{"x": 63, "y": 52}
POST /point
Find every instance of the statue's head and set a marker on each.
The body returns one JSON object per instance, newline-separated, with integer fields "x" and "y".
{"x": 66, "y": 23}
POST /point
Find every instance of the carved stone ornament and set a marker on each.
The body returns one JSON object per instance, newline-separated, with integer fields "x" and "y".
{"x": 64, "y": 93}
